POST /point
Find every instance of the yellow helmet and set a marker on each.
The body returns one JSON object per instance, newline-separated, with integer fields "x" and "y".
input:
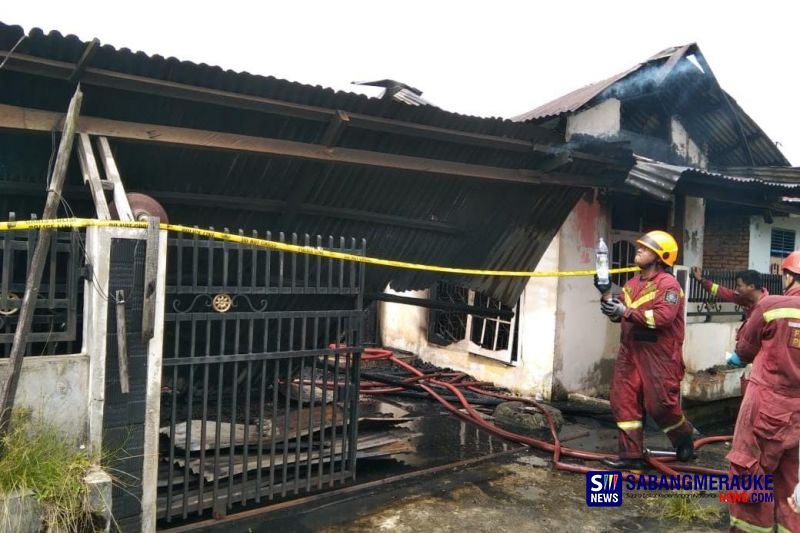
{"x": 663, "y": 244}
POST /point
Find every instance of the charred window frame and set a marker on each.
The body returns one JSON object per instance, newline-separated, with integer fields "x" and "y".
{"x": 447, "y": 327}
{"x": 492, "y": 337}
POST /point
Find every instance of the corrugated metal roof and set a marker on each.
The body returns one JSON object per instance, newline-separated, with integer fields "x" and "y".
{"x": 405, "y": 215}
{"x": 660, "y": 180}
{"x": 762, "y": 180}
{"x": 710, "y": 114}
{"x": 578, "y": 98}
{"x": 774, "y": 175}
{"x": 654, "y": 178}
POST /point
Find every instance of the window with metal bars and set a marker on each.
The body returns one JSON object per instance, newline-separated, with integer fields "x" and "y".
{"x": 492, "y": 337}
{"x": 782, "y": 242}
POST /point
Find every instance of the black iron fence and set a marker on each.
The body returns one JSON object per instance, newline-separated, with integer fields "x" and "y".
{"x": 56, "y": 316}
{"x": 702, "y": 303}
{"x": 261, "y": 374}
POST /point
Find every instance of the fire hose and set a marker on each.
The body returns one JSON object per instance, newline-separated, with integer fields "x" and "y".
{"x": 455, "y": 383}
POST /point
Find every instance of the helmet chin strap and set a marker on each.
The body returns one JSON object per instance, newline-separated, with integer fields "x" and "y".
{"x": 649, "y": 265}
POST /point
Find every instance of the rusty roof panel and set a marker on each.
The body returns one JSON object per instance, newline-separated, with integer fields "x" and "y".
{"x": 711, "y": 115}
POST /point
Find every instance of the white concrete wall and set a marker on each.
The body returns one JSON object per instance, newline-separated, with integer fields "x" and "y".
{"x": 405, "y": 327}
{"x": 586, "y": 342}
{"x": 55, "y": 388}
{"x": 684, "y": 146}
{"x": 694, "y": 215}
{"x": 602, "y": 120}
{"x": 538, "y": 324}
{"x": 706, "y": 344}
{"x": 760, "y": 236}
{"x": 694, "y": 222}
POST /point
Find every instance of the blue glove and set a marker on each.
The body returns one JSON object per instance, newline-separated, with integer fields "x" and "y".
{"x": 612, "y": 308}
{"x": 733, "y": 360}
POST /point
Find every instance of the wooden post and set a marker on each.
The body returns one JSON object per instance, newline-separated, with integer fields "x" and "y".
{"x": 91, "y": 176}
{"x": 122, "y": 344}
{"x": 112, "y": 174}
{"x": 150, "y": 279}
{"x": 38, "y": 262}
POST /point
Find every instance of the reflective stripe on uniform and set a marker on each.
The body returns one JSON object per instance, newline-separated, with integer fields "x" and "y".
{"x": 675, "y": 426}
{"x": 748, "y": 527}
{"x": 643, "y": 300}
{"x": 781, "y": 312}
{"x": 650, "y": 318}
{"x": 782, "y": 529}
{"x": 714, "y": 289}
{"x": 625, "y": 425}
{"x": 626, "y": 293}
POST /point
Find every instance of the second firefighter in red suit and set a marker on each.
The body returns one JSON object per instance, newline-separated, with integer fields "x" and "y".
{"x": 649, "y": 367}
{"x": 748, "y": 292}
{"x": 768, "y": 425}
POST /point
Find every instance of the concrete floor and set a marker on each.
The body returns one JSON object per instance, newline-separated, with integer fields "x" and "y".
{"x": 516, "y": 492}
{"x": 521, "y": 493}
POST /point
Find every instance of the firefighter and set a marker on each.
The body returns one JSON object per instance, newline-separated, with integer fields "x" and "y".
{"x": 649, "y": 366}
{"x": 768, "y": 425}
{"x": 749, "y": 291}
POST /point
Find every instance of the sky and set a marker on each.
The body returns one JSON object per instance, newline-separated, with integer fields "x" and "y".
{"x": 491, "y": 58}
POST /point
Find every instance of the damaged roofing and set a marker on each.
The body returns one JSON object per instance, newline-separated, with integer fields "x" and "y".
{"x": 416, "y": 216}
{"x": 682, "y": 81}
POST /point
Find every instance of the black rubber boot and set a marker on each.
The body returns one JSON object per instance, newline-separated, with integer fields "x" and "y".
{"x": 684, "y": 449}
{"x": 633, "y": 465}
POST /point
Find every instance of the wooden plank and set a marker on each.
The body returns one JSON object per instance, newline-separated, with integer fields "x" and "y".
{"x": 368, "y": 446}
{"x": 33, "y": 280}
{"x": 335, "y": 129}
{"x": 253, "y": 436}
{"x": 122, "y": 343}
{"x": 91, "y": 176}
{"x": 121, "y": 203}
{"x": 83, "y": 62}
{"x": 32, "y": 119}
{"x": 211, "y": 434}
{"x": 150, "y": 279}
{"x": 261, "y": 205}
{"x": 667, "y": 67}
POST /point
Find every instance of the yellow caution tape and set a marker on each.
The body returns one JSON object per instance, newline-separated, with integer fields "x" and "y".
{"x": 70, "y": 223}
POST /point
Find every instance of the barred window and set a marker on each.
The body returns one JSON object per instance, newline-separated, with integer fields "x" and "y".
{"x": 492, "y": 337}
{"x": 782, "y": 243}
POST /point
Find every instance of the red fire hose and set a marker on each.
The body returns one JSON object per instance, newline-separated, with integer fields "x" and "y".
{"x": 472, "y": 416}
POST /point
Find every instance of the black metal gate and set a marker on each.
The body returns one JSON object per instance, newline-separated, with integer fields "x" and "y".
{"x": 261, "y": 374}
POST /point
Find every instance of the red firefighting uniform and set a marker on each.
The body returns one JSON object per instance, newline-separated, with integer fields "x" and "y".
{"x": 729, "y": 295}
{"x": 768, "y": 426}
{"x": 649, "y": 366}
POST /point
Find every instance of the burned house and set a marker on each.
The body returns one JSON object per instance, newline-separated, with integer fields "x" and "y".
{"x": 704, "y": 170}
{"x": 226, "y": 333}
{"x": 238, "y": 333}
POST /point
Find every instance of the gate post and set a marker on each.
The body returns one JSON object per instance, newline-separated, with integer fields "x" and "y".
{"x": 129, "y": 422}
{"x": 153, "y": 394}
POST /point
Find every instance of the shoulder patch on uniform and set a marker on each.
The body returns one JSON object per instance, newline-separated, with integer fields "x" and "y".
{"x": 671, "y": 297}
